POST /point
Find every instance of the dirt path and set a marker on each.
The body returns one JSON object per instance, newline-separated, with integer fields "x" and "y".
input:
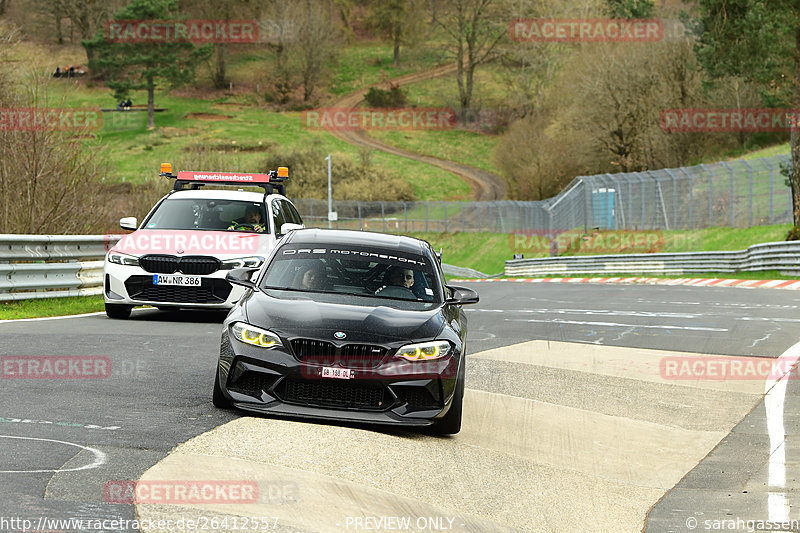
{"x": 485, "y": 185}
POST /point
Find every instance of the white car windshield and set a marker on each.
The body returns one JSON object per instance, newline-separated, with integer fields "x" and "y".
{"x": 209, "y": 214}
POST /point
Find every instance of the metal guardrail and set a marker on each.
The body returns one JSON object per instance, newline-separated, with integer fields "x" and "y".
{"x": 781, "y": 256}
{"x": 52, "y": 266}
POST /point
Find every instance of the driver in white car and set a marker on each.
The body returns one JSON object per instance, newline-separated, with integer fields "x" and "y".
{"x": 252, "y": 219}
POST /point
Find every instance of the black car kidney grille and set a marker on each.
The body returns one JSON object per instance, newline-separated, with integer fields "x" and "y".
{"x": 211, "y": 291}
{"x": 333, "y": 394}
{"x": 159, "y": 264}
{"x": 308, "y": 348}
{"x": 326, "y": 353}
{"x": 361, "y": 355}
{"x": 196, "y": 265}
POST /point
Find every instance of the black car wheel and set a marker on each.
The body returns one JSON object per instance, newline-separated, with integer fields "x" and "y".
{"x": 118, "y": 310}
{"x": 451, "y": 423}
{"x": 218, "y": 399}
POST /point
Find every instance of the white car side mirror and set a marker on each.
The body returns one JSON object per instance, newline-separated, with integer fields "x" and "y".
{"x": 289, "y": 226}
{"x": 128, "y": 223}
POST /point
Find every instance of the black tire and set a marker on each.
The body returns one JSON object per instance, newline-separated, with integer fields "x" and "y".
{"x": 450, "y": 424}
{"x": 118, "y": 311}
{"x": 218, "y": 399}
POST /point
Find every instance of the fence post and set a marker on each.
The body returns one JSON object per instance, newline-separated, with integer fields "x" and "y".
{"x": 750, "y": 195}
{"x": 383, "y": 218}
{"x": 710, "y": 195}
{"x": 311, "y": 210}
{"x": 587, "y": 205}
{"x": 730, "y": 193}
{"x": 463, "y": 226}
{"x": 445, "y": 215}
{"x": 769, "y": 166}
{"x": 405, "y": 216}
{"x": 788, "y": 160}
{"x": 360, "y": 222}
{"x": 426, "y": 216}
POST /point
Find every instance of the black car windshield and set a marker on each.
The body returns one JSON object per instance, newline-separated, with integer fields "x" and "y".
{"x": 340, "y": 274}
{"x": 208, "y": 214}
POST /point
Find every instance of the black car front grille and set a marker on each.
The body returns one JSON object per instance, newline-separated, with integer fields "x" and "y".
{"x": 361, "y": 355}
{"x": 211, "y": 291}
{"x": 334, "y": 394}
{"x": 310, "y": 348}
{"x": 326, "y": 353}
{"x": 197, "y": 265}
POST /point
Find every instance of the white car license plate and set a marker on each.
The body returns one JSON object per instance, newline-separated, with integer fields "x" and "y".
{"x": 175, "y": 279}
{"x": 338, "y": 373}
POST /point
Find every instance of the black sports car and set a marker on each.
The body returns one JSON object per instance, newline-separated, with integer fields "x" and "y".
{"x": 347, "y": 325}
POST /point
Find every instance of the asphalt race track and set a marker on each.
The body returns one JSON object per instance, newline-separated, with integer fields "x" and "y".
{"x": 570, "y": 423}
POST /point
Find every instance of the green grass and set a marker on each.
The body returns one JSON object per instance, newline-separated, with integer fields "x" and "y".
{"x": 461, "y": 145}
{"x": 241, "y": 135}
{"x": 485, "y": 252}
{"x": 767, "y": 152}
{"x": 44, "y": 307}
{"x": 465, "y": 147}
{"x": 364, "y": 64}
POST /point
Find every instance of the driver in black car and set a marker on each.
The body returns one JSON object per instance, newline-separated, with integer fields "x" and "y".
{"x": 400, "y": 277}
{"x": 250, "y": 222}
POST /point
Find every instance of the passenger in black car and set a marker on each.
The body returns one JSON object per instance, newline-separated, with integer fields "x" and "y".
{"x": 313, "y": 277}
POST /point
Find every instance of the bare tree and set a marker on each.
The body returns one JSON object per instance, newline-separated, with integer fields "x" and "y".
{"x": 55, "y": 176}
{"x": 474, "y": 29}
{"x": 316, "y": 43}
{"x": 280, "y": 23}
{"x": 87, "y": 16}
{"x": 221, "y": 10}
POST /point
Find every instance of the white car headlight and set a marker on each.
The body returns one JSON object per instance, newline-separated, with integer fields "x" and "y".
{"x": 256, "y": 336}
{"x": 242, "y": 262}
{"x": 123, "y": 259}
{"x": 424, "y": 351}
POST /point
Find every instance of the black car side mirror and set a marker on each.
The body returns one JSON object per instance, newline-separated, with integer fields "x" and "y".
{"x": 241, "y": 276}
{"x": 462, "y": 296}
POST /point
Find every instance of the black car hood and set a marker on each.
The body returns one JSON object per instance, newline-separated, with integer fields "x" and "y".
{"x": 361, "y": 323}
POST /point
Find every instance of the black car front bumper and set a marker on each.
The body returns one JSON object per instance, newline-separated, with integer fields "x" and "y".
{"x": 392, "y": 391}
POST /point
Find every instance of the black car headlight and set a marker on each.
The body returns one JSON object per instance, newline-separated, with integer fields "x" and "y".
{"x": 241, "y": 262}
{"x": 424, "y": 351}
{"x": 123, "y": 259}
{"x": 250, "y": 334}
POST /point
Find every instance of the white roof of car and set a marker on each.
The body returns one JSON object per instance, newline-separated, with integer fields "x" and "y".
{"x": 245, "y": 196}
